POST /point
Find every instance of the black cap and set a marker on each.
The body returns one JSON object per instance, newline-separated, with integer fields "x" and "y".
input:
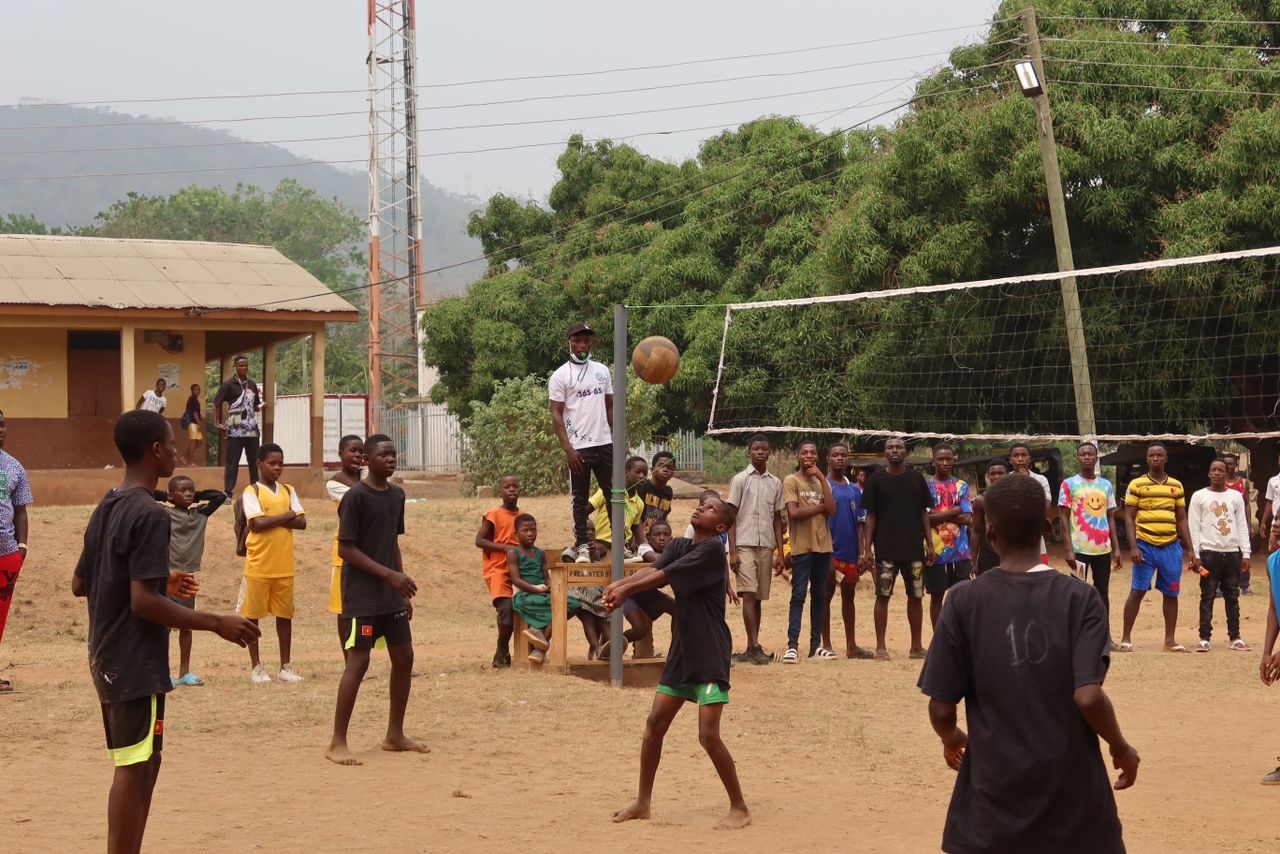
{"x": 579, "y": 328}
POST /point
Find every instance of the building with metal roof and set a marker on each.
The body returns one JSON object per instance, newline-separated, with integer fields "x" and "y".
{"x": 87, "y": 324}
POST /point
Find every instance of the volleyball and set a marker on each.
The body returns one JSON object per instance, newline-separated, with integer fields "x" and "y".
{"x": 655, "y": 359}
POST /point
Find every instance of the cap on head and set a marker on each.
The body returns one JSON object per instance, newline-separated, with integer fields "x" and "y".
{"x": 579, "y": 328}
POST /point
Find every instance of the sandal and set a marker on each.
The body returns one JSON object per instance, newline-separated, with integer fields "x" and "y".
{"x": 1203, "y": 646}
{"x": 1124, "y": 646}
{"x": 1177, "y": 647}
{"x": 882, "y": 655}
{"x": 823, "y": 653}
{"x": 1240, "y": 646}
{"x": 791, "y": 656}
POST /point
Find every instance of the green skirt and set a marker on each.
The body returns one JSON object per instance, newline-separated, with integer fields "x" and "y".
{"x": 535, "y": 608}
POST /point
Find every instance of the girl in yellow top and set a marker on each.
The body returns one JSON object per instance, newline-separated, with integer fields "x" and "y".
{"x": 351, "y": 456}
{"x": 273, "y": 513}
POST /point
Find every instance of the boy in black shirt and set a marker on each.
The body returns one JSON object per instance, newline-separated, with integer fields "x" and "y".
{"x": 697, "y": 669}
{"x": 375, "y": 597}
{"x": 124, "y": 573}
{"x": 1027, "y": 648}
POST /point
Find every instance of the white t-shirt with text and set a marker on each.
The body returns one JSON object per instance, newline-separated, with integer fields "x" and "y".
{"x": 584, "y": 390}
{"x": 153, "y": 402}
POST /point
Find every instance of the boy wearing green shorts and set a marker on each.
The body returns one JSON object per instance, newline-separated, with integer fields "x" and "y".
{"x": 697, "y": 669}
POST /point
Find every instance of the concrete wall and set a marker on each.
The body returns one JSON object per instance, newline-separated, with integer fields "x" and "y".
{"x": 148, "y": 362}
{"x": 33, "y": 372}
{"x": 71, "y": 487}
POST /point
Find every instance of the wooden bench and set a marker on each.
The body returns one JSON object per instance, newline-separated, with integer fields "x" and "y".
{"x": 561, "y": 577}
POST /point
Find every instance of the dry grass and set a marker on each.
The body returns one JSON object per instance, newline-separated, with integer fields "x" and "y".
{"x": 829, "y": 753}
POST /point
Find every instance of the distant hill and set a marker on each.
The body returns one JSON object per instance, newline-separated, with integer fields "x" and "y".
{"x": 76, "y": 202}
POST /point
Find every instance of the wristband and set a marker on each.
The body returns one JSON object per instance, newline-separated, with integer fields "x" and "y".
{"x": 23, "y": 546}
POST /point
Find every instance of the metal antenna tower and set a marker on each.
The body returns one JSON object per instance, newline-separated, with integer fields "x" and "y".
{"x": 397, "y": 289}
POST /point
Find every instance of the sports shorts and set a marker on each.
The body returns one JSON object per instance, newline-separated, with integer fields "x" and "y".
{"x": 940, "y": 577}
{"x": 755, "y": 570}
{"x": 365, "y": 632}
{"x": 262, "y": 596}
{"x": 706, "y": 694}
{"x": 912, "y": 572}
{"x": 1164, "y": 562}
{"x": 654, "y": 603}
{"x": 134, "y": 728}
{"x": 193, "y": 432}
{"x": 845, "y": 569}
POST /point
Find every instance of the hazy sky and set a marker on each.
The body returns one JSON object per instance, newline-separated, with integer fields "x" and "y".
{"x": 76, "y": 50}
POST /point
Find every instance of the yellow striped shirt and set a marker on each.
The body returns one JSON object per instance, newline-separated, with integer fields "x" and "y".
{"x": 1156, "y": 502}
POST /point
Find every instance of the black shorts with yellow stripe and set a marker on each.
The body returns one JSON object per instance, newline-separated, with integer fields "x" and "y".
{"x": 135, "y": 729}
{"x": 366, "y": 632}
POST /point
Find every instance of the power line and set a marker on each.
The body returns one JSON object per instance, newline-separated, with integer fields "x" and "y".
{"x": 1180, "y": 89}
{"x": 1168, "y": 45}
{"x": 700, "y": 190}
{"x": 1063, "y": 60}
{"x": 487, "y": 125}
{"x": 1140, "y": 20}
{"x": 549, "y": 76}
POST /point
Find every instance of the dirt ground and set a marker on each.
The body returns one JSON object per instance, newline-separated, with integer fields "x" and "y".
{"x": 832, "y": 755}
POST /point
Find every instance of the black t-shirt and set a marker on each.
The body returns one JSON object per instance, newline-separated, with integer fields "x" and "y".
{"x": 371, "y": 519}
{"x": 1015, "y": 646}
{"x": 127, "y": 539}
{"x": 702, "y": 646}
{"x": 898, "y": 501}
{"x": 657, "y": 500}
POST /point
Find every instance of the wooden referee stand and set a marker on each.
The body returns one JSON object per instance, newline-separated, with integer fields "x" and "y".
{"x": 637, "y": 672}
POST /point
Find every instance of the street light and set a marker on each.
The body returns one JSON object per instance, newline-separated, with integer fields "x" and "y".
{"x": 1027, "y": 77}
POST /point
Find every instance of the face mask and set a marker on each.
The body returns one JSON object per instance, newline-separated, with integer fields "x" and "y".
{"x": 579, "y": 360}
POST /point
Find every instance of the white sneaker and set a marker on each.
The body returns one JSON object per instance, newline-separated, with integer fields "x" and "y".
{"x": 629, "y": 556}
{"x": 288, "y": 674}
{"x": 259, "y": 675}
{"x": 584, "y": 554}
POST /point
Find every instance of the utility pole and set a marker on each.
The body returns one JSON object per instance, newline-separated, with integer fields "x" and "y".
{"x": 396, "y": 280}
{"x": 1061, "y": 235}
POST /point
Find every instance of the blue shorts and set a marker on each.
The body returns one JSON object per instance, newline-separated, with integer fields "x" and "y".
{"x": 1164, "y": 562}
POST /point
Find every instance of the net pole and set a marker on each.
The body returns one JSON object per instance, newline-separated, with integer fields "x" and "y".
{"x": 715, "y": 391}
{"x": 618, "y": 502}
{"x": 1061, "y": 235}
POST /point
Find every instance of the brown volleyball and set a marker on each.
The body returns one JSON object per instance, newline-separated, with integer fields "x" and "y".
{"x": 655, "y": 359}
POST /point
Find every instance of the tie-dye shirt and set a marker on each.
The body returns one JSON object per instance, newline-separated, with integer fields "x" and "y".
{"x": 1089, "y": 502}
{"x": 15, "y": 491}
{"x": 950, "y": 539}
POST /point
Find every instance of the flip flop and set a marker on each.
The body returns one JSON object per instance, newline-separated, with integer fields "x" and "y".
{"x": 6, "y": 687}
{"x": 190, "y": 679}
{"x": 917, "y": 654}
{"x": 882, "y": 655}
{"x": 1240, "y": 646}
{"x": 1177, "y": 647}
{"x": 859, "y": 653}
{"x": 1124, "y": 646}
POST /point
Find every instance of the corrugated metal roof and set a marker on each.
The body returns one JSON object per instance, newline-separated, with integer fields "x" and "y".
{"x": 124, "y": 274}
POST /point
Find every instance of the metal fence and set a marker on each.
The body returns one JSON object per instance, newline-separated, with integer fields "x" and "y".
{"x": 428, "y": 437}
{"x": 686, "y": 445}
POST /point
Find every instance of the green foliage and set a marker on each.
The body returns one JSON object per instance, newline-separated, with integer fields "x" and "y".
{"x": 953, "y": 191}
{"x": 512, "y": 433}
{"x": 16, "y": 223}
{"x": 318, "y": 234}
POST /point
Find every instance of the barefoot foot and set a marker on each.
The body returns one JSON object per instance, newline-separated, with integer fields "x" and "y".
{"x": 340, "y": 754}
{"x": 634, "y": 811}
{"x": 403, "y": 743}
{"x": 737, "y": 817}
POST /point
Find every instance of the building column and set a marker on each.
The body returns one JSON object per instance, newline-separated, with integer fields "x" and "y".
{"x": 128, "y": 369}
{"x": 269, "y": 393}
{"x": 317, "y": 398}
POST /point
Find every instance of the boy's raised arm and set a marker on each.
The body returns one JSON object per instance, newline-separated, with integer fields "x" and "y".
{"x": 211, "y": 500}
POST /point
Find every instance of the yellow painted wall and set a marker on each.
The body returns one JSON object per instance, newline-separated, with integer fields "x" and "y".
{"x": 148, "y": 359}
{"x": 33, "y": 372}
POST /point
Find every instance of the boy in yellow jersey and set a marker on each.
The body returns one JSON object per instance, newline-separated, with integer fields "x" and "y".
{"x": 351, "y": 457}
{"x": 273, "y": 513}
{"x": 1155, "y": 512}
